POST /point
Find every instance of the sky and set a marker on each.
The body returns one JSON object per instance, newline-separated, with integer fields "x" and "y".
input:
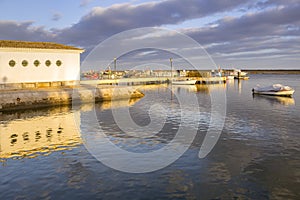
{"x": 247, "y": 34}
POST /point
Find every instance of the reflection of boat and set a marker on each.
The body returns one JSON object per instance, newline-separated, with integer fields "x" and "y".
{"x": 184, "y": 82}
{"x": 189, "y": 88}
{"x": 287, "y": 101}
{"x": 211, "y": 88}
{"x": 275, "y": 90}
{"x": 203, "y": 88}
{"x": 242, "y": 77}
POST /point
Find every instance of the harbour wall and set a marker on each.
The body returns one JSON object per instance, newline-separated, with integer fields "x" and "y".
{"x": 45, "y": 97}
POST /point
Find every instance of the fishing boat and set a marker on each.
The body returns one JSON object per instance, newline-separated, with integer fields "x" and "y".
{"x": 184, "y": 82}
{"x": 275, "y": 90}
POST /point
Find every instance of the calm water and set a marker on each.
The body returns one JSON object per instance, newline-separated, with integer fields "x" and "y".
{"x": 256, "y": 157}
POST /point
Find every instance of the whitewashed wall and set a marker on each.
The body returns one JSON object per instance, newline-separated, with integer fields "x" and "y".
{"x": 68, "y": 71}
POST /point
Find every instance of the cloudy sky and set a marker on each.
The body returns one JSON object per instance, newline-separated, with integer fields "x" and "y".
{"x": 249, "y": 34}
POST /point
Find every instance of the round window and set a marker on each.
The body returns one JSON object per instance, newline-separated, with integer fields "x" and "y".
{"x": 12, "y": 63}
{"x": 58, "y": 63}
{"x": 25, "y": 63}
{"x": 48, "y": 63}
{"x": 36, "y": 63}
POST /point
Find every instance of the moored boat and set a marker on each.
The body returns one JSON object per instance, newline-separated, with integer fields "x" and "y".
{"x": 229, "y": 77}
{"x": 275, "y": 90}
{"x": 184, "y": 82}
{"x": 238, "y": 74}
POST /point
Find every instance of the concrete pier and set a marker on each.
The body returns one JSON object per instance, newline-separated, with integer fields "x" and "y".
{"x": 88, "y": 91}
{"x": 45, "y": 97}
{"x": 127, "y": 81}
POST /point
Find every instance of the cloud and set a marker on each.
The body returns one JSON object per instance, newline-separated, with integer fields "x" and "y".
{"x": 11, "y": 30}
{"x": 56, "y": 16}
{"x": 264, "y": 4}
{"x": 84, "y": 3}
{"x": 271, "y": 22}
{"x": 263, "y": 29}
{"x": 276, "y": 29}
{"x": 101, "y": 22}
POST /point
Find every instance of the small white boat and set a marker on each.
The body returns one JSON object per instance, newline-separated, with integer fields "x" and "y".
{"x": 229, "y": 77}
{"x": 238, "y": 74}
{"x": 275, "y": 90}
{"x": 184, "y": 82}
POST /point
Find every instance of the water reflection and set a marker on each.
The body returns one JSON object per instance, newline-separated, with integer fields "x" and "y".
{"x": 186, "y": 88}
{"x": 198, "y": 88}
{"x": 179, "y": 185}
{"x": 107, "y": 105}
{"x": 211, "y": 87}
{"x": 38, "y": 134}
{"x": 275, "y": 100}
{"x": 41, "y": 132}
{"x": 257, "y": 156}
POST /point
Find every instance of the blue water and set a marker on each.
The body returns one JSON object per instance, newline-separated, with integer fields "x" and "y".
{"x": 256, "y": 157}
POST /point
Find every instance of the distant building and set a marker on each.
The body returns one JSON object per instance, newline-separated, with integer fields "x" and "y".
{"x": 38, "y": 64}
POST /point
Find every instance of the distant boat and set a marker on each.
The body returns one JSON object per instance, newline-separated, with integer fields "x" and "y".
{"x": 238, "y": 74}
{"x": 242, "y": 77}
{"x": 184, "y": 82}
{"x": 275, "y": 90}
{"x": 229, "y": 77}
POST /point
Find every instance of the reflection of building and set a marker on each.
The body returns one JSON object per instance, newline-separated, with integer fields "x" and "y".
{"x": 38, "y": 135}
{"x": 32, "y": 64}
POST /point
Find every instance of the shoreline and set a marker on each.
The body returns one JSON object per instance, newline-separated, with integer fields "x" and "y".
{"x": 271, "y": 71}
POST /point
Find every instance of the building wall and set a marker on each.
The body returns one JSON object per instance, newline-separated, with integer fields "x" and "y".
{"x": 68, "y": 71}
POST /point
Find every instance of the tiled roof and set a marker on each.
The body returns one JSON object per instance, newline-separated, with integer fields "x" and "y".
{"x": 34, "y": 45}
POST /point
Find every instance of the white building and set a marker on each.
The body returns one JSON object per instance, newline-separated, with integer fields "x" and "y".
{"x": 35, "y": 64}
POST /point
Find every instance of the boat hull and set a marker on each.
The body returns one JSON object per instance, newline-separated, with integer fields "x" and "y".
{"x": 288, "y": 93}
{"x": 185, "y": 82}
{"x": 229, "y": 77}
{"x": 242, "y": 77}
